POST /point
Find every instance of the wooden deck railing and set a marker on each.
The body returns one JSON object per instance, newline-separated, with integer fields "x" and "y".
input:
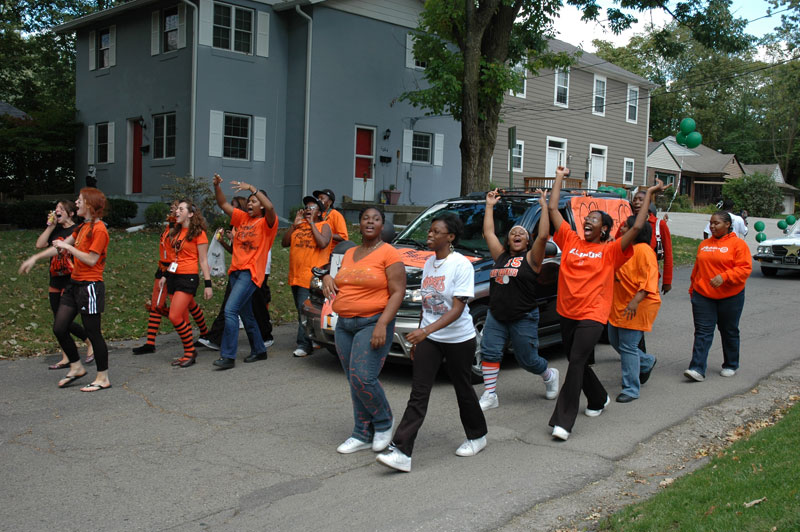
{"x": 532, "y": 183}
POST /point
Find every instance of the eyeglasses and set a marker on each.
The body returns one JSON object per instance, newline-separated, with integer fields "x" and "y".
{"x": 437, "y": 233}
{"x": 312, "y": 207}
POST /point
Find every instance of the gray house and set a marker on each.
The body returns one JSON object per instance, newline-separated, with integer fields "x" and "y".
{"x": 289, "y": 96}
{"x": 592, "y": 117}
{"x": 789, "y": 192}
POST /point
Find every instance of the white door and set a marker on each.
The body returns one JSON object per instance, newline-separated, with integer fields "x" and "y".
{"x": 597, "y": 166}
{"x": 364, "y": 175}
{"x": 555, "y": 157}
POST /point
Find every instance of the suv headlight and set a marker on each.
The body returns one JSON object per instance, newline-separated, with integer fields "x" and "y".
{"x": 316, "y": 283}
{"x": 413, "y": 296}
{"x": 764, "y": 250}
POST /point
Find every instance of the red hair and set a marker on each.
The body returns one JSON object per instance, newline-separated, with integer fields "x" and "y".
{"x": 94, "y": 200}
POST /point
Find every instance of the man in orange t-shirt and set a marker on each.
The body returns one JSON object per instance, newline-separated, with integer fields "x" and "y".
{"x": 255, "y": 231}
{"x": 308, "y": 239}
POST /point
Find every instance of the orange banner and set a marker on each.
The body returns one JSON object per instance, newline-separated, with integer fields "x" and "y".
{"x": 417, "y": 257}
{"x": 618, "y": 209}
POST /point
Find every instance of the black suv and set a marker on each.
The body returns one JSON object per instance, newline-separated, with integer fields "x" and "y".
{"x": 515, "y": 208}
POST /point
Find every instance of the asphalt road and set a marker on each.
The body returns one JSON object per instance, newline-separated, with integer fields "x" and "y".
{"x": 253, "y": 448}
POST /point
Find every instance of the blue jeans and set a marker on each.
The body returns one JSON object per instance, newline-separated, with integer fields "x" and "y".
{"x": 238, "y": 304}
{"x": 723, "y": 314}
{"x": 300, "y": 295}
{"x": 524, "y": 335}
{"x": 634, "y": 361}
{"x": 362, "y": 364}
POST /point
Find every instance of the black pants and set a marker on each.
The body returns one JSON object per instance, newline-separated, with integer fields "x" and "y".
{"x": 74, "y": 328}
{"x": 427, "y": 359}
{"x": 260, "y": 299}
{"x": 65, "y": 317}
{"x": 579, "y": 339}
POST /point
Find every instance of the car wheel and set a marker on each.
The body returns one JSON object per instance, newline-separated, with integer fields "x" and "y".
{"x": 479, "y": 319}
{"x": 769, "y": 272}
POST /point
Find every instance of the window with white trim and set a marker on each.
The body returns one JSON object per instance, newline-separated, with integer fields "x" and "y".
{"x": 164, "y": 136}
{"x": 233, "y": 28}
{"x": 633, "y": 104}
{"x": 599, "y": 101}
{"x": 628, "y": 167}
{"x": 561, "y": 96}
{"x": 668, "y": 179}
{"x": 411, "y": 61}
{"x": 421, "y": 147}
{"x": 104, "y": 48}
{"x": 523, "y": 84}
{"x": 170, "y": 24}
{"x": 236, "y": 137}
{"x": 102, "y": 136}
{"x": 517, "y": 156}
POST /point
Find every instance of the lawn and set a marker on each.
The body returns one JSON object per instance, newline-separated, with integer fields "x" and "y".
{"x": 751, "y": 485}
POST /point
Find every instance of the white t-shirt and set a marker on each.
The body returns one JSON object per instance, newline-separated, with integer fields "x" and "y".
{"x": 453, "y": 277}
{"x": 737, "y": 224}
{"x": 269, "y": 262}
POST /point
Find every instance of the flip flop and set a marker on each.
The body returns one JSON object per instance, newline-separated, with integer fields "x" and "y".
{"x": 89, "y": 359}
{"x": 70, "y": 379}
{"x": 94, "y": 388}
{"x": 60, "y": 365}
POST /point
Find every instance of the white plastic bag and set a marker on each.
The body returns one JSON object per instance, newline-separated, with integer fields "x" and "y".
{"x": 216, "y": 258}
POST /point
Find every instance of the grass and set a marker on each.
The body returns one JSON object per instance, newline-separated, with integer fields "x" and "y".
{"x": 684, "y": 250}
{"x": 763, "y": 467}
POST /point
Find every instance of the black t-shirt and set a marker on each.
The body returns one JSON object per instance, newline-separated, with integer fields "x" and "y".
{"x": 61, "y": 264}
{"x": 512, "y": 288}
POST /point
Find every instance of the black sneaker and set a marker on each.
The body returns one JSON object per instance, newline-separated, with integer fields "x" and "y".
{"x": 144, "y": 349}
{"x": 645, "y": 375}
{"x": 256, "y": 357}
{"x": 224, "y": 363}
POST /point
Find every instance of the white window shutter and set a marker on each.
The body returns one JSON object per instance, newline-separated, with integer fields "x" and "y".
{"x": 111, "y": 142}
{"x": 155, "y": 32}
{"x": 259, "y": 138}
{"x": 205, "y": 22}
{"x": 181, "y": 25}
{"x": 215, "y": 134}
{"x": 90, "y": 145}
{"x": 410, "y": 50}
{"x": 438, "y": 149}
{"x": 92, "y": 52}
{"x": 262, "y": 38}
{"x": 112, "y": 46}
{"x": 408, "y": 139}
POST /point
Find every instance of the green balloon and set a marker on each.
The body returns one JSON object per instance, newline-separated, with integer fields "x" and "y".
{"x": 759, "y": 225}
{"x": 622, "y": 193}
{"x": 782, "y": 224}
{"x": 791, "y": 219}
{"x": 760, "y": 237}
{"x": 680, "y": 138}
{"x": 687, "y": 126}
{"x": 693, "y": 140}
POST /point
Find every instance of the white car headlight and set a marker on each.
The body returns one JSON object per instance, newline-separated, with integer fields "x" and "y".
{"x": 316, "y": 283}
{"x": 413, "y": 296}
{"x": 764, "y": 250}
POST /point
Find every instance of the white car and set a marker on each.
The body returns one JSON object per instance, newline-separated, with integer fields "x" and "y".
{"x": 780, "y": 253}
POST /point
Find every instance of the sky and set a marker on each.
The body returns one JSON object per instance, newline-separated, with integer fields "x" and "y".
{"x": 569, "y": 27}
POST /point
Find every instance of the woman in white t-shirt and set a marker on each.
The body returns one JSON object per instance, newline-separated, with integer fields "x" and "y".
{"x": 446, "y": 332}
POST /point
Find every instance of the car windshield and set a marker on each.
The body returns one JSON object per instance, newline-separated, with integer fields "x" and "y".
{"x": 795, "y": 229}
{"x": 506, "y": 215}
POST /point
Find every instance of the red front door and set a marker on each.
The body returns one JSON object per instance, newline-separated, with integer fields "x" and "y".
{"x": 136, "y": 173}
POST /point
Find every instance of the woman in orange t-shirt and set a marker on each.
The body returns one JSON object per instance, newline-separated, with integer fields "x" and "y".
{"x": 189, "y": 241}
{"x": 585, "y": 283}
{"x": 721, "y": 269}
{"x": 368, "y": 290}
{"x": 633, "y": 311}
{"x": 85, "y": 294}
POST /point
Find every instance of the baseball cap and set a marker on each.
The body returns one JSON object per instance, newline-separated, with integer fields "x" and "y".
{"x": 328, "y": 192}
{"x": 312, "y": 199}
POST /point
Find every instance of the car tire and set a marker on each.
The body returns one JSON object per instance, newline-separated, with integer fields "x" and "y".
{"x": 478, "y": 314}
{"x": 769, "y": 272}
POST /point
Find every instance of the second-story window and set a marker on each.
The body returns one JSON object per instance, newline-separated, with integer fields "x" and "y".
{"x": 599, "y": 105}
{"x": 104, "y": 48}
{"x": 170, "y": 29}
{"x": 562, "y": 88}
{"x": 236, "y": 139}
{"x": 233, "y": 28}
{"x": 522, "y": 86}
{"x": 633, "y": 104}
{"x": 164, "y": 136}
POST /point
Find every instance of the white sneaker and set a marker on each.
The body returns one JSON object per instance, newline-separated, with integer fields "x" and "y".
{"x": 471, "y": 447}
{"x": 268, "y": 344}
{"x": 551, "y": 385}
{"x": 300, "y": 353}
{"x": 208, "y": 343}
{"x": 395, "y": 459}
{"x": 381, "y": 440}
{"x": 489, "y": 400}
{"x": 594, "y": 413}
{"x": 694, "y": 375}
{"x": 560, "y": 432}
{"x": 353, "y": 445}
{"x": 727, "y": 372}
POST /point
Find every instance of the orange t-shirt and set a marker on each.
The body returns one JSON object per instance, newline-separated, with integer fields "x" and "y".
{"x": 363, "y": 285}
{"x": 251, "y": 244}
{"x": 728, "y": 256}
{"x": 186, "y": 251}
{"x": 586, "y": 276}
{"x": 166, "y": 253}
{"x": 338, "y": 227}
{"x": 305, "y": 254}
{"x": 96, "y": 242}
{"x": 639, "y": 273}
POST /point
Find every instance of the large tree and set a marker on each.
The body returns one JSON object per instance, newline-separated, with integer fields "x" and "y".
{"x": 472, "y": 49}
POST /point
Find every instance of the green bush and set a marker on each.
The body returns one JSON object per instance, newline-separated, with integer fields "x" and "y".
{"x": 196, "y": 189}
{"x": 756, "y": 193}
{"x": 682, "y": 202}
{"x": 119, "y": 212}
{"x": 28, "y": 214}
{"x": 155, "y": 214}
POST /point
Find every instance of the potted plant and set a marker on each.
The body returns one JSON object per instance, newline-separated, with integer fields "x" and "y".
{"x": 391, "y": 195}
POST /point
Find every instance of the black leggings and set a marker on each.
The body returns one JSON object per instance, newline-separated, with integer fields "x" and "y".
{"x": 65, "y": 318}
{"x": 75, "y": 327}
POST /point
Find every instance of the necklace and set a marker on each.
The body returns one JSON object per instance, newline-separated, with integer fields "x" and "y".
{"x": 368, "y": 249}
{"x": 441, "y": 262}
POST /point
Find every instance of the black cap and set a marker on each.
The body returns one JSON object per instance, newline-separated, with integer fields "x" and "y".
{"x": 312, "y": 199}
{"x": 328, "y": 192}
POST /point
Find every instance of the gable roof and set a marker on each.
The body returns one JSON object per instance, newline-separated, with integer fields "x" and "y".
{"x": 768, "y": 169}
{"x": 10, "y": 110}
{"x": 594, "y": 63}
{"x": 87, "y": 20}
{"x": 700, "y": 160}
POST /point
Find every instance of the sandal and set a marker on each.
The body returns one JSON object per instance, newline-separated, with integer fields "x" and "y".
{"x": 95, "y": 387}
{"x": 89, "y": 359}
{"x": 185, "y": 361}
{"x": 60, "y": 365}
{"x": 69, "y": 379}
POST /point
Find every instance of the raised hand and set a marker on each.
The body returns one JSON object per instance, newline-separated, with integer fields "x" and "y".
{"x": 217, "y": 180}
{"x": 542, "y": 197}
{"x": 493, "y": 197}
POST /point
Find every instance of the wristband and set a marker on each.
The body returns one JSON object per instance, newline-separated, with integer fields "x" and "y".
{"x": 207, "y": 283}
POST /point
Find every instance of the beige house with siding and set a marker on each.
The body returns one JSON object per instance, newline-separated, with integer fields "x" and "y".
{"x": 789, "y": 192}
{"x": 592, "y": 117}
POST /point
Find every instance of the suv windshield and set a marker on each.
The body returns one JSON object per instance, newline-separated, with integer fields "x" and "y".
{"x": 506, "y": 216}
